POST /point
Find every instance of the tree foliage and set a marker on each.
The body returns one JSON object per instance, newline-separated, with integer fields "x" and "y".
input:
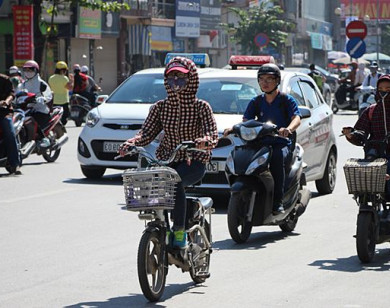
{"x": 261, "y": 19}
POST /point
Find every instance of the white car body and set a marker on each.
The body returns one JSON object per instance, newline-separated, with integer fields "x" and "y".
{"x": 121, "y": 121}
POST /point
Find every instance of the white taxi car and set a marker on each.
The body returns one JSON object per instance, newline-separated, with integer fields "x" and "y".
{"x": 228, "y": 91}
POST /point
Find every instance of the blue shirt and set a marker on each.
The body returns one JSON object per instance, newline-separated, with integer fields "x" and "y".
{"x": 278, "y": 112}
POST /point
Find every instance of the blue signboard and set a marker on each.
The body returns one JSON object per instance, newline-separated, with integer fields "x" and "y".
{"x": 356, "y": 47}
{"x": 187, "y": 18}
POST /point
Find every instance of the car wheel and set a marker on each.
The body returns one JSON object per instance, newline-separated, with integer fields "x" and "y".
{"x": 328, "y": 182}
{"x": 93, "y": 172}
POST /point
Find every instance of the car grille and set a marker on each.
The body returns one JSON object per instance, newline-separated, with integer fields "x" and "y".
{"x": 97, "y": 147}
{"x": 214, "y": 178}
{"x": 223, "y": 142}
{"x": 123, "y": 126}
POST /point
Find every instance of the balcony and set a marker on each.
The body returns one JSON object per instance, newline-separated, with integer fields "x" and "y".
{"x": 162, "y": 10}
{"x": 138, "y": 9}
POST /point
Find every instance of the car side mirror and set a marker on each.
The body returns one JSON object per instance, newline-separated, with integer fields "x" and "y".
{"x": 305, "y": 112}
{"x": 101, "y": 99}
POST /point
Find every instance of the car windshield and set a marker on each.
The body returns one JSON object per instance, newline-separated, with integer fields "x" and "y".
{"x": 141, "y": 89}
{"x": 229, "y": 96}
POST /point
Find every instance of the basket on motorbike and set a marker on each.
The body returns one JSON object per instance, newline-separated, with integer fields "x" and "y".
{"x": 365, "y": 176}
{"x": 150, "y": 188}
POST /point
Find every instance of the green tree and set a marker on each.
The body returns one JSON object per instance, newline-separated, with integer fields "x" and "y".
{"x": 385, "y": 46}
{"x": 261, "y": 19}
{"x": 41, "y": 38}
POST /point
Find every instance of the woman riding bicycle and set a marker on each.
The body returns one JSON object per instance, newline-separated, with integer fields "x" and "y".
{"x": 182, "y": 117}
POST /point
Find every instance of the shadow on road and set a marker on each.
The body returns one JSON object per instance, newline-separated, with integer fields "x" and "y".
{"x": 111, "y": 179}
{"x": 138, "y": 300}
{"x": 352, "y": 264}
{"x": 256, "y": 241}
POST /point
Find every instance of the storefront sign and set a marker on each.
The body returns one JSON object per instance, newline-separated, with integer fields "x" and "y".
{"x": 362, "y": 8}
{"x": 23, "y": 34}
{"x": 161, "y": 38}
{"x": 187, "y": 18}
{"x": 89, "y": 23}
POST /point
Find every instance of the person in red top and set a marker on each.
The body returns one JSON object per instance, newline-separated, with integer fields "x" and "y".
{"x": 182, "y": 117}
{"x": 375, "y": 120}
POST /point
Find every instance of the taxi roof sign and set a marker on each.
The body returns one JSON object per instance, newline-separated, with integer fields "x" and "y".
{"x": 240, "y": 60}
{"x": 200, "y": 59}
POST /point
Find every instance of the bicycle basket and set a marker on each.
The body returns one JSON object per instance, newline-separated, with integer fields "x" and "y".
{"x": 365, "y": 176}
{"x": 150, "y": 188}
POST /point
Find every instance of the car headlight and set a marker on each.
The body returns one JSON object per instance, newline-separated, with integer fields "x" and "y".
{"x": 249, "y": 133}
{"x": 92, "y": 118}
{"x": 257, "y": 163}
{"x": 230, "y": 164}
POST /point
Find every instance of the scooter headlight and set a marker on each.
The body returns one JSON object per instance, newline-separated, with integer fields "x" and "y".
{"x": 92, "y": 118}
{"x": 230, "y": 164}
{"x": 259, "y": 161}
{"x": 249, "y": 133}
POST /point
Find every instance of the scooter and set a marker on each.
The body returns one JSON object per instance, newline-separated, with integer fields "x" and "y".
{"x": 30, "y": 135}
{"x": 18, "y": 120}
{"x": 252, "y": 185}
{"x": 366, "y": 180}
{"x": 349, "y": 103}
{"x": 79, "y": 107}
{"x": 367, "y": 98}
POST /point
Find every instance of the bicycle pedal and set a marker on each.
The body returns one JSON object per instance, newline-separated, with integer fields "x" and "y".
{"x": 203, "y": 275}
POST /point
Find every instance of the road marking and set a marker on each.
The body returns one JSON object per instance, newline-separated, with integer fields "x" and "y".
{"x": 29, "y": 197}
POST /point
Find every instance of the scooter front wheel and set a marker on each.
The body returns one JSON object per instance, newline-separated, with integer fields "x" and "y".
{"x": 151, "y": 265}
{"x": 365, "y": 237}
{"x": 239, "y": 227}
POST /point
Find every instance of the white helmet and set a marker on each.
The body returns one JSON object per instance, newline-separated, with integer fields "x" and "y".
{"x": 84, "y": 69}
{"x": 13, "y": 70}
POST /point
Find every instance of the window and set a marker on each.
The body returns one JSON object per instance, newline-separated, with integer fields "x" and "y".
{"x": 296, "y": 92}
{"x": 310, "y": 94}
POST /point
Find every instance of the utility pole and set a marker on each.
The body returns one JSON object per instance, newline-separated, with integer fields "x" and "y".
{"x": 377, "y": 32}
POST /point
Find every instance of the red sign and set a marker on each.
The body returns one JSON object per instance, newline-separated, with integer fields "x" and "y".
{"x": 261, "y": 40}
{"x": 356, "y": 28}
{"x": 23, "y": 34}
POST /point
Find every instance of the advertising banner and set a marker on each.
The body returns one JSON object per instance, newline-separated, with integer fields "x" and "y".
{"x": 187, "y": 18}
{"x": 23, "y": 34}
{"x": 362, "y": 8}
{"x": 90, "y": 23}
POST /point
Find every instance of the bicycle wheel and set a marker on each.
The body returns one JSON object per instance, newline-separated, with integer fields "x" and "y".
{"x": 151, "y": 265}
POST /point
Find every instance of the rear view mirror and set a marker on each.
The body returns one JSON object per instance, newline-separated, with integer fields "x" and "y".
{"x": 305, "y": 112}
{"x": 101, "y": 99}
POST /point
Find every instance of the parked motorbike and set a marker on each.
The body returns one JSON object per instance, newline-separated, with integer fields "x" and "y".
{"x": 349, "y": 103}
{"x": 366, "y": 180}
{"x": 18, "y": 120}
{"x": 79, "y": 107}
{"x": 151, "y": 192}
{"x": 366, "y": 98}
{"x": 252, "y": 185}
{"x": 30, "y": 135}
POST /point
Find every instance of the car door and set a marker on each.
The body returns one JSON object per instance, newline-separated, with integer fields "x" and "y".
{"x": 319, "y": 124}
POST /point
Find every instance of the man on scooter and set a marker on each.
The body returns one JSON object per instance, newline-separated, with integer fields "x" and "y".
{"x": 6, "y": 98}
{"x": 341, "y": 93}
{"x": 282, "y": 110}
{"x": 375, "y": 120}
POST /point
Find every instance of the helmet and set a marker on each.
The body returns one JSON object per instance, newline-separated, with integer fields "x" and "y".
{"x": 61, "y": 65}
{"x": 84, "y": 69}
{"x": 13, "y": 69}
{"x": 269, "y": 69}
{"x": 31, "y": 64}
{"x": 383, "y": 78}
{"x": 76, "y": 67}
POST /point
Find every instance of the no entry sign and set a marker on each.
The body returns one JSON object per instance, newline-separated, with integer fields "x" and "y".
{"x": 356, "y": 28}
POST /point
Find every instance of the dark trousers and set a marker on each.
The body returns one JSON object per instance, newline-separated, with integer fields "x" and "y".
{"x": 189, "y": 175}
{"x": 281, "y": 156}
{"x": 10, "y": 143}
{"x": 65, "y": 115}
{"x": 42, "y": 119}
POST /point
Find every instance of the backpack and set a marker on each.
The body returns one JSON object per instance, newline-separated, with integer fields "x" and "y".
{"x": 284, "y": 109}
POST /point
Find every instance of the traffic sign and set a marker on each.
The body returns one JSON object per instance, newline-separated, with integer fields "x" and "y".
{"x": 356, "y": 47}
{"x": 356, "y": 28}
{"x": 261, "y": 40}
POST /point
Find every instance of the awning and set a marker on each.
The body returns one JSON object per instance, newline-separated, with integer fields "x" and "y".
{"x": 139, "y": 40}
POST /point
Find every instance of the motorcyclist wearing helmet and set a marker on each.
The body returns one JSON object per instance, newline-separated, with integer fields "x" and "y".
{"x": 6, "y": 124}
{"x": 375, "y": 121}
{"x": 92, "y": 88}
{"x": 35, "y": 84}
{"x": 60, "y": 84}
{"x": 15, "y": 76}
{"x": 281, "y": 110}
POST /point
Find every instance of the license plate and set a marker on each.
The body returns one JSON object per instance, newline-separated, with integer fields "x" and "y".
{"x": 212, "y": 167}
{"x": 74, "y": 114}
{"x": 111, "y": 147}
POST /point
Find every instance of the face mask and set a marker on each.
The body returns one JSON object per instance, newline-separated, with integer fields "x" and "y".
{"x": 29, "y": 75}
{"x": 177, "y": 84}
{"x": 383, "y": 94}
